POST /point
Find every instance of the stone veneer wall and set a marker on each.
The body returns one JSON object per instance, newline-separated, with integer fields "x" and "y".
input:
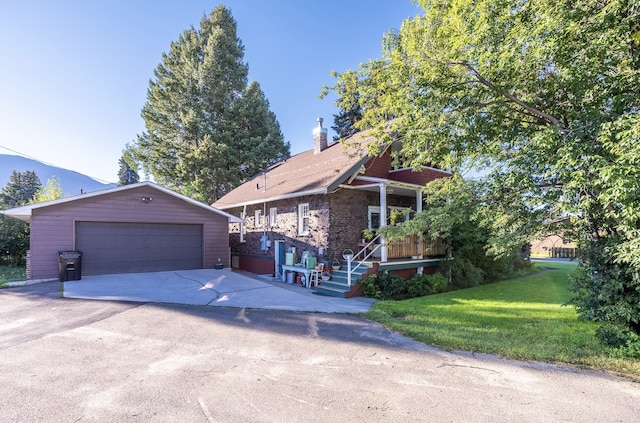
{"x": 286, "y": 227}
{"x": 349, "y": 217}
{"x": 333, "y": 232}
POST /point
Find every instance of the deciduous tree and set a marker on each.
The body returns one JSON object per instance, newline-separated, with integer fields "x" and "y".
{"x": 51, "y": 191}
{"x": 544, "y": 96}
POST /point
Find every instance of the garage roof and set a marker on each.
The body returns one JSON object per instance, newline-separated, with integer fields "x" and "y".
{"x": 24, "y": 212}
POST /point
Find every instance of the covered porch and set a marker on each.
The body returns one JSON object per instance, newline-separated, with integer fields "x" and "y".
{"x": 407, "y": 256}
{"x": 388, "y": 212}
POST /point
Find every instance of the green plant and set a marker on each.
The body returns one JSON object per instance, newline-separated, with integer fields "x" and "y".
{"x": 12, "y": 273}
{"x": 370, "y": 288}
{"x": 367, "y": 234}
{"x": 416, "y": 286}
{"x": 392, "y": 286}
{"x": 421, "y": 284}
{"x": 385, "y": 286}
{"x": 522, "y": 319}
{"x": 463, "y": 272}
{"x": 436, "y": 283}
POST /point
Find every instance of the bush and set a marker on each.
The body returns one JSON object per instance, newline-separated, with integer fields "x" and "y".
{"x": 623, "y": 341}
{"x": 384, "y": 286}
{"x": 389, "y": 286}
{"x": 370, "y": 288}
{"x": 463, "y": 273}
{"x": 421, "y": 285}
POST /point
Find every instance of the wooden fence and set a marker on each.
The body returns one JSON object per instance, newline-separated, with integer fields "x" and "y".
{"x": 413, "y": 245}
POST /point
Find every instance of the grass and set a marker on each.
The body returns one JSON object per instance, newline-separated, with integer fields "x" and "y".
{"x": 12, "y": 273}
{"x": 523, "y": 319}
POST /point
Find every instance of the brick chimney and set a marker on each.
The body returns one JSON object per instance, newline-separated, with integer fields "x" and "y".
{"x": 319, "y": 138}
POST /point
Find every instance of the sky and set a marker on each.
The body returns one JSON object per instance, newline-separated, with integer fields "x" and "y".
{"x": 74, "y": 73}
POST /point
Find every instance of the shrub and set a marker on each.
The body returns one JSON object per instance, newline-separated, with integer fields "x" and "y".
{"x": 421, "y": 285}
{"x": 463, "y": 273}
{"x": 384, "y": 286}
{"x": 391, "y": 286}
{"x": 417, "y": 286}
{"x": 623, "y": 341}
{"x": 370, "y": 288}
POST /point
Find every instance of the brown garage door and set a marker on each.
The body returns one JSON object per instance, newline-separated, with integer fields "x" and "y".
{"x": 109, "y": 247}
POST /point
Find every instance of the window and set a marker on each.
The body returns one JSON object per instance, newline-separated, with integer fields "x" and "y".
{"x": 303, "y": 219}
{"x": 374, "y": 218}
{"x": 394, "y": 215}
{"x": 273, "y": 217}
{"x": 258, "y": 219}
{"x": 399, "y": 214}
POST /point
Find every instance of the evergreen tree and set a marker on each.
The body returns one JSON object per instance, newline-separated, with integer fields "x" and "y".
{"x": 192, "y": 142}
{"x": 128, "y": 168}
{"x": 20, "y": 189}
{"x": 344, "y": 123}
{"x": 14, "y": 234}
{"x": 258, "y": 140}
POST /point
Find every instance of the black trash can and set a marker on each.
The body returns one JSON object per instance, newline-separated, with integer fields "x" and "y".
{"x": 69, "y": 265}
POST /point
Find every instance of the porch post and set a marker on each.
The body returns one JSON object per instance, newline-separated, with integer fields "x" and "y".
{"x": 383, "y": 220}
{"x": 420, "y": 243}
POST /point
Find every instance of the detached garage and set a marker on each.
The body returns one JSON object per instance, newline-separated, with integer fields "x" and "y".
{"x": 135, "y": 228}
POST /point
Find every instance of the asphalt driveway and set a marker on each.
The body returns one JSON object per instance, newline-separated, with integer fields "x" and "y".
{"x": 210, "y": 287}
{"x": 75, "y": 360}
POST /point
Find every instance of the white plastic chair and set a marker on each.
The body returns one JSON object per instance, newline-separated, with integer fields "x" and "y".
{"x": 314, "y": 276}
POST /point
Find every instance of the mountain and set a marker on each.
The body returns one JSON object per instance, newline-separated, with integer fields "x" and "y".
{"x": 71, "y": 182}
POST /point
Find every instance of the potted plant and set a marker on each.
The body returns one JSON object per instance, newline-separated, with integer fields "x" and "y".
{"x": 367, "y": 235}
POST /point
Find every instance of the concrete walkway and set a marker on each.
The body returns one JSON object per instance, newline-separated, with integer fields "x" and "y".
{"x": 210, "y": 287}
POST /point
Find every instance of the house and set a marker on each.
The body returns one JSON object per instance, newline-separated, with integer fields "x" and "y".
{"x": 553, "y": 246}
{"x": 320, "y": 201}
{"x": 134, "y": 228}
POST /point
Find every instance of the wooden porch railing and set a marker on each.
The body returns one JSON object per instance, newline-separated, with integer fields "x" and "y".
{"x": 413, "y": 245}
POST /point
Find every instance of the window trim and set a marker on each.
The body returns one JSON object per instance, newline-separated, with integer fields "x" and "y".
{"x": 273, "y": 217}
{"x": 302, "y": 217}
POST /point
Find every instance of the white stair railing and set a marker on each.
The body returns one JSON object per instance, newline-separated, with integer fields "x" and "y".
{"x": 351, "y": 258}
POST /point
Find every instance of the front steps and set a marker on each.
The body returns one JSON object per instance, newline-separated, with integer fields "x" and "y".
{"x": 337, "y": 285}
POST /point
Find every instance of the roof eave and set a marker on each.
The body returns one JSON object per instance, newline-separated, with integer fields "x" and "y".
{"x": 350, "y": 173}
{"x": 318, "y": 191}
{"x": 25, "y": 217}
{"x": 24, "y": 213}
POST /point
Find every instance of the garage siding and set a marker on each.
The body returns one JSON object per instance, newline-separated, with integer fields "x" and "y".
{"x": 54, "y": 228}
{"x": 109, "y": 247}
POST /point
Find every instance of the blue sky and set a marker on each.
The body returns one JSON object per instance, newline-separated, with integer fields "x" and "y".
{"x": 74, "y": 74}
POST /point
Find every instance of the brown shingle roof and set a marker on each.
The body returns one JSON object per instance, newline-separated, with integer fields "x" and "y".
{"x": 303, "y": 174}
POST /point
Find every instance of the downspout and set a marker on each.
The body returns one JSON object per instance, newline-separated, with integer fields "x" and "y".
{"x": 243, "y": 215}
{"x": 420, "y": 242}
{"x": 264, "y": 245}
{"x": 383, "y": 220}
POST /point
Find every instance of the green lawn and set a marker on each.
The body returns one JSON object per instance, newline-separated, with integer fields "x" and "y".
{"x": 12, "y": 273}
{"x": 522, "y": 319}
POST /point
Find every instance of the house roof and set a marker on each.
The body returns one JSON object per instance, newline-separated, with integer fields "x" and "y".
{"x": 307, "y": 173}
{"x": 24, "y": 212}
